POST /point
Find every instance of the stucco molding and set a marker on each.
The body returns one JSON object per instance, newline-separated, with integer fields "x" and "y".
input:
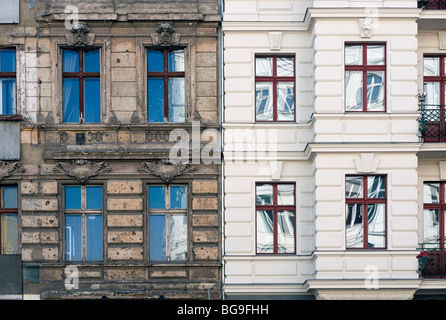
{"x": 82, "y": 170}
{"x": 7, "y": 169}
{"x": 165, "y": 169}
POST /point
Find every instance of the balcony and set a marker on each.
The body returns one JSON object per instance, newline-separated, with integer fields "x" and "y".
{"x": 432, "y": 123}
{"x": 432, "y": 4}
{"x": 432, "y": 261}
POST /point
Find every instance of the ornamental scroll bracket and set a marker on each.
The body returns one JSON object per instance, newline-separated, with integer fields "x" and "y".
{"x": 9, "y": 168}
{"x": 165, "y": 35}
{"x": 165, "y": 169}
{"x": 82, "y": 170}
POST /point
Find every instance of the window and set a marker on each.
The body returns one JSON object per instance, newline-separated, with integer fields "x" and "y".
{"x": 365, "y": 63}
{"x": 81, "y": 86}
{"x": 8, "y": 82}
{"x": 166, "y": 96}
{"x": 9, "y": 232}
{"x": 365, "y": 222}
{"x": 276, "y": 223}
{"x": 275, "y": 88}
{"x": 83, "y": 223}
{"x": 434, "y": 210}
{"x": 168, "y": 222}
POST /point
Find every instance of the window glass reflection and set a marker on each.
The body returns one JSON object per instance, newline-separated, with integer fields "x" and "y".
{"x": 8, "y": 96}
{"x": 265, "y": 232}
{"x": 285, "y": 194}
{"x": 73, "y": 237}
{"x": 177, "y": 100}
{"x": 376, "y": 187}
{"x": 354, "y": 226}
{"x": 431, "y": 66}
{"x": 264, "y": 101}
{"x": 92, "y": 61}
{"x": 73, "y": 197}
{"x": 94, "y": 237}
{"x": 353, "y": 55}
{"x": 375, "y": 55}
{"x": 92, "y": 100}
{"x": 285, "y": 231}
{"x": 94, "y": 197}
{"x": 157, "y": 237}
{"x": 176, "y": 60}
{"x": 155, "y": 61}
{"x": 431, "y": 222}
{"x": 376, "y": 225}
{"x": 264, "y": 66}
{"x": 155, "y": 95}
{"x": 178, "y": 197}
{"x": 353, "y": 187}
{"x": 353, "y": 91}
{"x": 9, "y": 234}
{"x": 157, "y": 197}
{"x": 264, "y": 194}
{"x": 375, "y": 91}
{"x": 9, "y": 197}
{"x": 285, "y": 101}
{"x": 178, "y": 237}
{"x": 431, "y": 192}
{"x": 285, "y": 67}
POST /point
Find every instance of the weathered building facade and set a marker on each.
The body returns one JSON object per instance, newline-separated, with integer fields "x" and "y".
{"x": 108, "y": 189}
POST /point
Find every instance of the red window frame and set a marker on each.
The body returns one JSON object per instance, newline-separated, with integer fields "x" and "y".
{"x": 81, "y": 75}
{"x": 275, "y": 208}
{"x": 5, "y": 211}
{"x": 364, "y": 68}
{"x": 441, "y": 207}
{"x": 166, "y": 75}
{"x": 276, "y": 79}
{"x": 365, "y": 201}
{"x": 441, "y": 78}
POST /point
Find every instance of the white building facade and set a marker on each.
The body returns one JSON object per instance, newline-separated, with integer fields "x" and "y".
{"x": 334, "y": 159}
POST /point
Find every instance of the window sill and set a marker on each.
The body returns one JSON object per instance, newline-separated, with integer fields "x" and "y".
{"x": 11, "y": 117}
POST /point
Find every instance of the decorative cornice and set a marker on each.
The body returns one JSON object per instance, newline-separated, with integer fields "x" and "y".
{"x": 82, "y": 170}
{"x": 8, "y": 168}
{"x": 165, "y": 169}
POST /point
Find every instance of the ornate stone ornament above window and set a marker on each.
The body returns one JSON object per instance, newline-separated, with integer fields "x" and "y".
{"x": 366, "y": 27}
{"x": 275, "y": 40}
{"x": 82, "y": 170}
{"x": 165, "y": 35}
{"x": 165, "y": 169}
{"x": 366, "y": 163}
{"x": 8, "y": 168}
{"x": 80, "y": 36}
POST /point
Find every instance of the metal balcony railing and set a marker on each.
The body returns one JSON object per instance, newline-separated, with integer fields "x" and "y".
{"x": 432, "y": 123}
{"x": 432, "y": 261}
{"x": 432, "y": 4}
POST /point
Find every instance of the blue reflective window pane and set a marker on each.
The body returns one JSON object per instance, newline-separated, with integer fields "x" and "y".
{"x": 92, "y": 100}
{"x": 7, "y": 60}
{"x": 92, "y": 61}
{"x": 8, "y": 96}
{"x": 155, "y": 99}
{"x": 70, "y": 61}
{"x": 9, "y": 197}
{"x": 157, "y": 237}
{"x": 73, "y": 237}
{"x": 178, "y": 197}
{"x": 94, "y": 197}
{"x": 70, "y": 100}
{"x": 94, "y": 237}
{"x": 155, "y": 61}
{"x": 73, "y": 197}
{"x": 157, "y": 197}
{"x": 177, "y": 100}
{"x": 176, "y": 60}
